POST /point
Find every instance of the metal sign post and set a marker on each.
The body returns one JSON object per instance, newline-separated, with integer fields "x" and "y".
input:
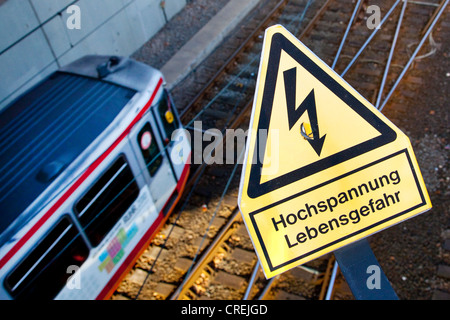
{"x": 357, "y": 262}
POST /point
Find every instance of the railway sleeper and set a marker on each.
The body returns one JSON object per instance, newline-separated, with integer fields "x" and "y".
{"x": 163, "y": 290}
{"x": 244, "y": 80}
{"x": 229, "y": 280}
{"x": 148, "y": 258}
{"x": 283, "y": 295}
{"x": 217, "y": 113}
{"x": 305, "y": 273}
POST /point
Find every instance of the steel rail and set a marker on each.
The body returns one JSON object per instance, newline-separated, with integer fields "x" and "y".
{"x": 374, "y": 32}
{"x": 212, "y": 249}
{"x": 439, "y": 12}
{"x": 391, "y": 54}
{"x": 439, "y": 6}
{"x": 268, "y": 286}
{"x": 350, "y": 23}
{"x": 313, "y": 21}
{"x": 247, "y": 42}
{"x": 332, "y": 281}
{"x": 252, "y": 280}
{"x": 326, "y": 277}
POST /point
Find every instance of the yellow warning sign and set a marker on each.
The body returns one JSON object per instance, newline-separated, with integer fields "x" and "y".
{"x": 323, "y": 167}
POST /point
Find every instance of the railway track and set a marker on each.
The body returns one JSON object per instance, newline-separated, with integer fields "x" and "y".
{"x": 204, "y": 252}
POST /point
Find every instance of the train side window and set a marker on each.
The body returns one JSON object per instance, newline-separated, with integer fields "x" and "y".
{"x": 149, "y": 148}
{"x": 167, "y": 114}
{"x": 44, "y": 271}
{"x": 107, "y": 200}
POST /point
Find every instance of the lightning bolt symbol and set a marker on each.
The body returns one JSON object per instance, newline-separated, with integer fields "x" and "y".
{"x": 309, "y": 104}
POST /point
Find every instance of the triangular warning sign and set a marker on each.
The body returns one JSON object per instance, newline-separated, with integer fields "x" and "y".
{"x": 323, "y": 167}
{"x": 298, "y": 92}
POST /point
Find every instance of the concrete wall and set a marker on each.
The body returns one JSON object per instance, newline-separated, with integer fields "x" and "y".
{"x": 35, "y": 38}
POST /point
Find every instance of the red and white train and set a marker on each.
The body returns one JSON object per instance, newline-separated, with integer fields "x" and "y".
{"x": 91, "y": 166}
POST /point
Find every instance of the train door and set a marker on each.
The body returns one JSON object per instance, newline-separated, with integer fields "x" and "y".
{"x": 153, "y": 158}
{"x": 175, "y": 141}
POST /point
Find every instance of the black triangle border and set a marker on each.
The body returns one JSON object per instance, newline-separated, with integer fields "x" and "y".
{"x": 278, "y": 43}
